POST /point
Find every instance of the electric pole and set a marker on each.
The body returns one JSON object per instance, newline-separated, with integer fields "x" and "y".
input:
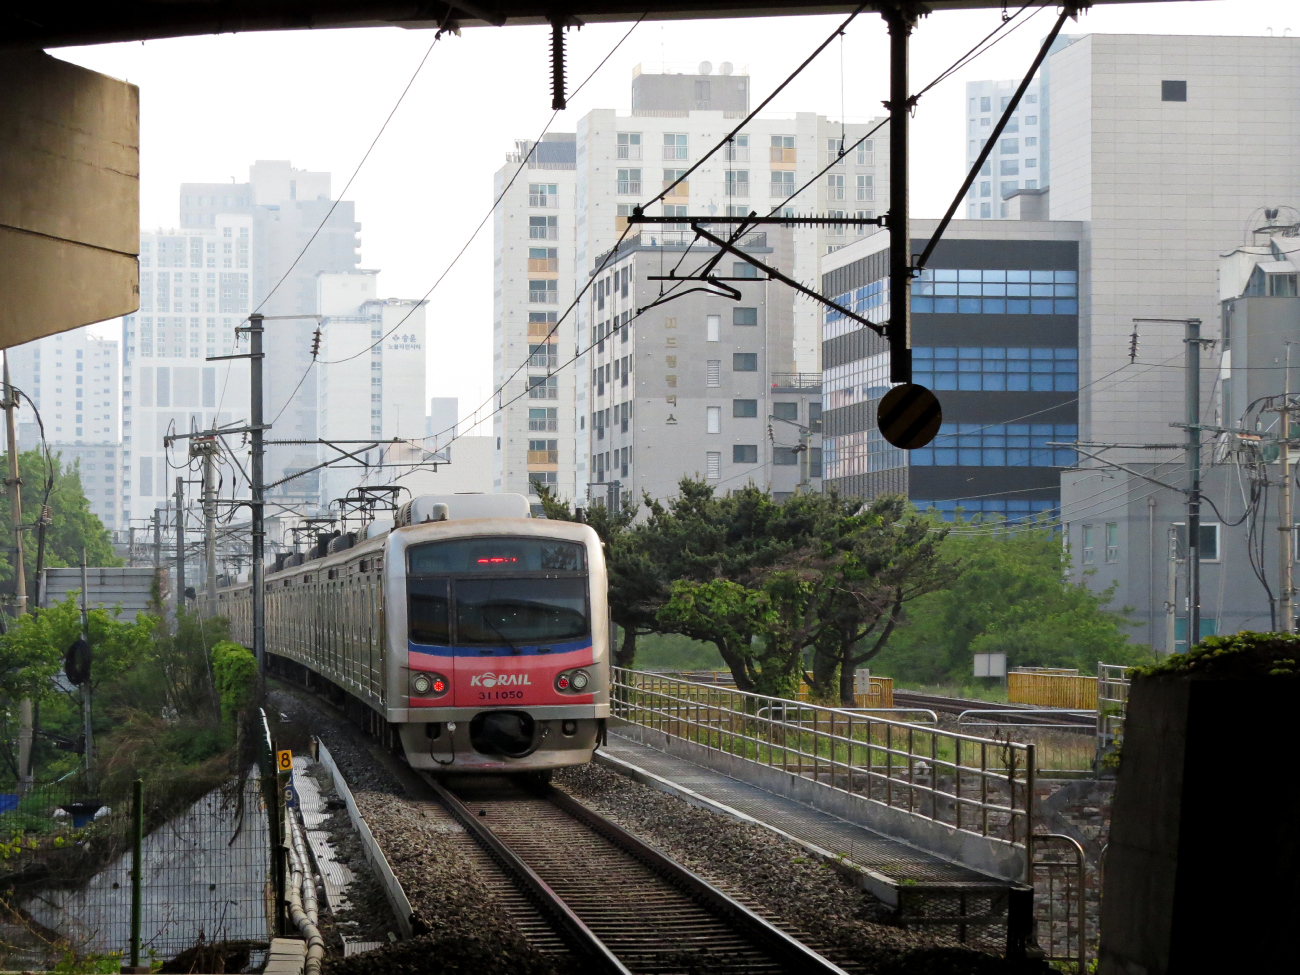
{"x": 209, "y": 450}
{"x": 157, "y": 539}
{"x": 89, "y": 749}
{"x": 257, "y": 487}
{"x": 180, "y": 545}
{"x": 1193, "y": 385}
{"x": 14, "y": 483}
{"x": 1286, "y": 611}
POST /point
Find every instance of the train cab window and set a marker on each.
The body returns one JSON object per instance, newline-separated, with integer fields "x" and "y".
{"x": 499, "y": 556}
{"x": 428, "y": 600}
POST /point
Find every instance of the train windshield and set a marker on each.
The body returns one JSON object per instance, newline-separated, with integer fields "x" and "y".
{"x": 497, "y": 592}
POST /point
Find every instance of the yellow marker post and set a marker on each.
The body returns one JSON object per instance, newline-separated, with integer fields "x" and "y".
{"x": 284, "y": 760}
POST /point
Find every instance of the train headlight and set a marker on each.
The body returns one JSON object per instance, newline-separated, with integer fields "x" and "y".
{"x": 580, "y": 679}
{"x": 422, "y": 684}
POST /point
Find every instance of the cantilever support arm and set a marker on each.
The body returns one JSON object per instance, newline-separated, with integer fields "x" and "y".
{"x": 1120, "y": 467}
{"x": 730, "y": 248}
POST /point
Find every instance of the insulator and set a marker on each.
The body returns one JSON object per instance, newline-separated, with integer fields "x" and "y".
{"x": 557, "y": 66}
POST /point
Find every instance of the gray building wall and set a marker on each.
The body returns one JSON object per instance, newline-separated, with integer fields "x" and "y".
{"x": 673, "y": 374}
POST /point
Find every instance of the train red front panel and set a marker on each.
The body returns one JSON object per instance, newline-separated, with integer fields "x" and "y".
{"x": 502, "y": 678}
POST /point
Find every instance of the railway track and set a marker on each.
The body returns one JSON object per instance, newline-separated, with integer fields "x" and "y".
{"x": 618, "y": 905}
{"x": 956, "y": 705}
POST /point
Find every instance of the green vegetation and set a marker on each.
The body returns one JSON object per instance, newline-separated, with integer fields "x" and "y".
{"x": 235, "y": 671}
{"x": 1243, "y": 656}
{"x": 72, "y": 527}
{"x": 813, "y": 588}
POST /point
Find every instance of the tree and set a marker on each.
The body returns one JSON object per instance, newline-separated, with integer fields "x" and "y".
{"x": 874, "y": 563}
{"x": 73, "y": 525}
{"x": 637, "y": 586}
{"x": 1013, "y": 593}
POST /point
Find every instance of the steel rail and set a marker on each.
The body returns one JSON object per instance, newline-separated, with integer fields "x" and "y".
{"x": 793, "y": 954}
{"x": 575, "y": 931}
{"x": 956, "y": 705}
{"x": 787, "y": 952}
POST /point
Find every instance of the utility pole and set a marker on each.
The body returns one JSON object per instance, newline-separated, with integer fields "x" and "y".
{"x": 900, "y": 19}
{"x": 1286, "y": 611}
{"x": 208, "y": 448}
{"x": 157, "y": 539}
{"x": 805, "y": 453}
{"x": 257, "y": 487}
{"x": 14, "y": 483}
{"x": 180, "y": 545}
{"x": 89, "y": 753}
{"x": 1193, "y": 384}
{"x": 130, "y": 546}
{"x": 1171, "y": 597}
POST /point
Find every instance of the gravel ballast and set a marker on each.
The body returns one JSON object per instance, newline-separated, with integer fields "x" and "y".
{"x": 774, "y": 877}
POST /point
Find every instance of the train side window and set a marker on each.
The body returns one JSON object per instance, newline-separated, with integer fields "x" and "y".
{"x": 428, "y": 599}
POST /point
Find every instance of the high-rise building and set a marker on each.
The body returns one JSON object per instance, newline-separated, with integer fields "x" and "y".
{"x": 570, "y": 203}
{"x": 73, "y": 381}
{"x": 995, "y": 333}
{"x": 240, "y": 246}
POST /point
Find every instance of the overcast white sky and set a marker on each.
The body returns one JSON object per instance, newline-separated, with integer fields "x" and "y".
{"x": 209, "y": 106}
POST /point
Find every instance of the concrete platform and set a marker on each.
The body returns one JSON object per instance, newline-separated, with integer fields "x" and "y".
{"x": 287, "y": 957}
{"x": 878, "y": 863}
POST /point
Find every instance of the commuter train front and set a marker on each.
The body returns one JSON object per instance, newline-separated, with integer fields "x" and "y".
{"x": 505, "y": 640}
{"x": 481, "y": 643}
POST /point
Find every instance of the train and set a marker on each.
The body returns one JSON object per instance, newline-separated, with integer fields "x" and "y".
{"x": 469, "y": 635}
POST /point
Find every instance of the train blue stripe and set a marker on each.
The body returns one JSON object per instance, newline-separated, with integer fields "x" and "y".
{"x": 543, "y": 649}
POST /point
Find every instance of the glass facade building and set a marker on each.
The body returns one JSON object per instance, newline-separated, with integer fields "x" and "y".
{"x": 995, "y": 333}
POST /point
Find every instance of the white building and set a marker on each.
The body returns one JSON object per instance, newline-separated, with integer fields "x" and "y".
{"x": 369, "y": 383}
{"x": 73, "y": 380}
{"x": 619, "y": 161}
{"x": 194, "y": 291}
{"x": 1018, "y": 161}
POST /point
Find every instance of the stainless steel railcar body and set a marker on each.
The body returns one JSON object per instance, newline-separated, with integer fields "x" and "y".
{"x": 347, "y": 618}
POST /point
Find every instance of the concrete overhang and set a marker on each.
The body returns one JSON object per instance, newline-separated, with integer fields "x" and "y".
{"x": 25, "y": 27}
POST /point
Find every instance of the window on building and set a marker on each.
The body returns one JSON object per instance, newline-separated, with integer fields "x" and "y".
{"x": 629, "y": 145}
{"x": 998, "y": 445}
{"x": 544, "y": 291}
{"x": 713, "y": 419}
{"x": 629, "y": 182}
{"x": 744, "y": 316}
{"x": 835, "y": 186}
{"x": 866, "y": 191}
{"x": 543, "y": 228}
{"x": 744, "y": 453}
{"x": 1031, "y": 164}
{"x": 738, "y": 183}
{"x": 782, "y": 183}
{"x": 1010, "y": 292}
{"x": 744, "y": 362}
{"x": 1031, "y": 142}
{"x": 986, "y": 188}
{"x": 1030, "y": 120}
{"x": 786, "y": 411}
{"x": 985, "y": 210}
{"x": 866, "y": 153}
{"x": 783, "y": 150}
{"x": 675, "y": 145}
{"x": 543, "y": 387}
{"x": 1089, "y": 547}
{"x": 744, "y": 408}
{"x": 1009, "y": 146}
{"x": 743, "y": 269}
{"x": 543, "y": 194}
{"x": 713, "y": 373}
{"x": 1173, "y": 91}
{"x": 543, "y": 420}
{"x": 986, "y": 104}
{"x": 1009, "y": 167}
{"x": 713, "y": 465}
{"x": 784, "y": 457}
{"x": 543, "y": 258}
{"x": 713, "y": 328}
{"x": 1112, "y": 542}
{"x": 1209, "y": 541}
{"x": 737, "y": 150}
{"x": 997, "y": 368}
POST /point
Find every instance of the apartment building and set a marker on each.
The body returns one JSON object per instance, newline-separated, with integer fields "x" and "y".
{"x": 620, "y": 161}
{"x": 1019, "y": 160}
{"x": 700, "y": 386}
{"x": 73, "y": 381}
{"x": 995, "y": 333}
{"x": 236, "y": 245}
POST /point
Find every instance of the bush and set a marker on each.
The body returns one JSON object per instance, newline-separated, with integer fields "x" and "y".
{"x": 234, "y": 668}
{"x": 1241, "y": 656}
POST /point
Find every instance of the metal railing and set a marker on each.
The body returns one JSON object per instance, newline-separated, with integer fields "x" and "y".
{"x": 975, "y": 785}
{"x": 1060, "y": 886}
{"x": 1112, "y": 704}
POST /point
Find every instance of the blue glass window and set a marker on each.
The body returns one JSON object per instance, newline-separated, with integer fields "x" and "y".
{"x": 992, "y": 286}
{"x": 996, "y": 369}
{"x": 991, "y": 509}
{"x": 998, "y": 445}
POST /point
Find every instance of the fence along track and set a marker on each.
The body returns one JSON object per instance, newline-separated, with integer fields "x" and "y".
{"x": 956, "y": 705}
{"x": 622, "y": 904}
